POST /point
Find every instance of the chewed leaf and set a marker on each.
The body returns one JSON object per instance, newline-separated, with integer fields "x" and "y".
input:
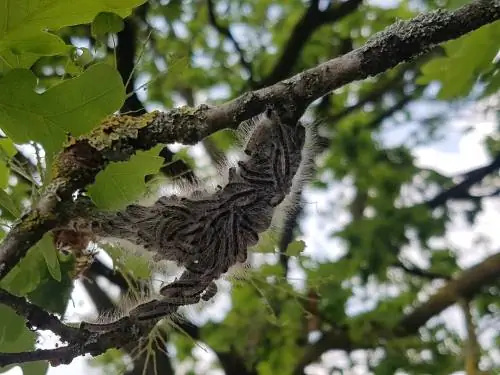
{"x": 123, "y": 182}
{"x": 135, "y": 264}
{"x": 105, "y": 23}
{"x": 267, "y": 242}
{"x": 295, "y": 248}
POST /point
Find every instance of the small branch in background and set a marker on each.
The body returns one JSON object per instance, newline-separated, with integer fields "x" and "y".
{"x": 414, "y": 271}
{"x": 125, "y": 63}
{"x": 465, "y": 285}
{"x": 312, "y": 20}
{"x": 223, "y": 30}
{"x": 461, "y": 190}
{"x": 472, "y": 349}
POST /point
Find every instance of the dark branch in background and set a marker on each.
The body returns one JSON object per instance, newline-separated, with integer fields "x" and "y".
{"x": 467, "y": 284}
{"x": 99, "y": 297}
{"x": 224, "y": 30}
{"x": 312, "y": 19}
{"x": 372, "y": 96}
{"x": 125, "y": 62}
{"x": 414, "y": 271}
{"x": 126, "y": 55}
{"x": 400, "y": 104}
{"x": 461, "y": 190}
{"x": 121, "y": 136}
{"x": 99, "y": 269}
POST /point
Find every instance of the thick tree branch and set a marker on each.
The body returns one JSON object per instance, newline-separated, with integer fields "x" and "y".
{"x": 80, "y": 341}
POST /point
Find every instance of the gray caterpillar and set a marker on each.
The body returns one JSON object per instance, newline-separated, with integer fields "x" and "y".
{"x": 207, "y": 233}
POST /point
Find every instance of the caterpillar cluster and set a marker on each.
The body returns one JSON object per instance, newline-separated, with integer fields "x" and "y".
{"x": 209, "y": 232}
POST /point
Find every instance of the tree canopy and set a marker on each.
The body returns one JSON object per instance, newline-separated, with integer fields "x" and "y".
{"x": 121, "y": 100}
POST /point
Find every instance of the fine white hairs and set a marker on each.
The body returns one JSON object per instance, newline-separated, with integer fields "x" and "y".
{"x": 207, "y": 232}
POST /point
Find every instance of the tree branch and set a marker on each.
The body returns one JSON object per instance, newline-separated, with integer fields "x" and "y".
{"x": 312, "y": 19}
{"x": 81, "y": 341}
{"x": 39, "y": 318}
{"x": 125, "y": 63}
{"x": 467, "y": 284}
{"x": 227, "y": 33}
{"x": 462, "y": 189}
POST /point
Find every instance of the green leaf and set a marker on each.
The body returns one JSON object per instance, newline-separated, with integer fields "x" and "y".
{"x": 31, "y": 17}
{"x": 46, "y": 247}
{"x": 7, "y": 147}
{"x": 82, "y": 57}
{"x": 267, "y": 242}
{"x": 7, "y": 150}
{"x": 35, "y": 368}
{"x": 10, "y": 60}
{"x": 10, "y": 328}
{"x": 26, "y": 275}
{"x": 105, "y": 23}
{"x": 295, "y": 248}
{"x": 23, "y": 28}
{"x": 7, "y": 203}
{"x": 53, "y": 295}
{"x": 43, "y": 44}
{"x": 39, "y": 14}
{"x": 14, "y": 335}
{"x": 123, "y": 182}
{"x": 136, "y": 265}
{"x": 75, "y": 106}
{"x": 466, "y": 58}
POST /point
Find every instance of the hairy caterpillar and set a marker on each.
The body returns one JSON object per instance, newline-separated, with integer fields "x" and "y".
{"x": 209, "y": 232}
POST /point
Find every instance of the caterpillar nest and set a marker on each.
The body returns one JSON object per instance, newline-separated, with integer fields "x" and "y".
{"x": 207, "y": 232}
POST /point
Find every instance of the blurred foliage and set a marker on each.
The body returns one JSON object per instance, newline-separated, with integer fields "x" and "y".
{"x": 60, "y": 75}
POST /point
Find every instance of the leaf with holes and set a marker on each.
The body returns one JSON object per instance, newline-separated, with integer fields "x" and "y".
{"x": 295, "y": 248}
{"x": 105, "y": 23}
